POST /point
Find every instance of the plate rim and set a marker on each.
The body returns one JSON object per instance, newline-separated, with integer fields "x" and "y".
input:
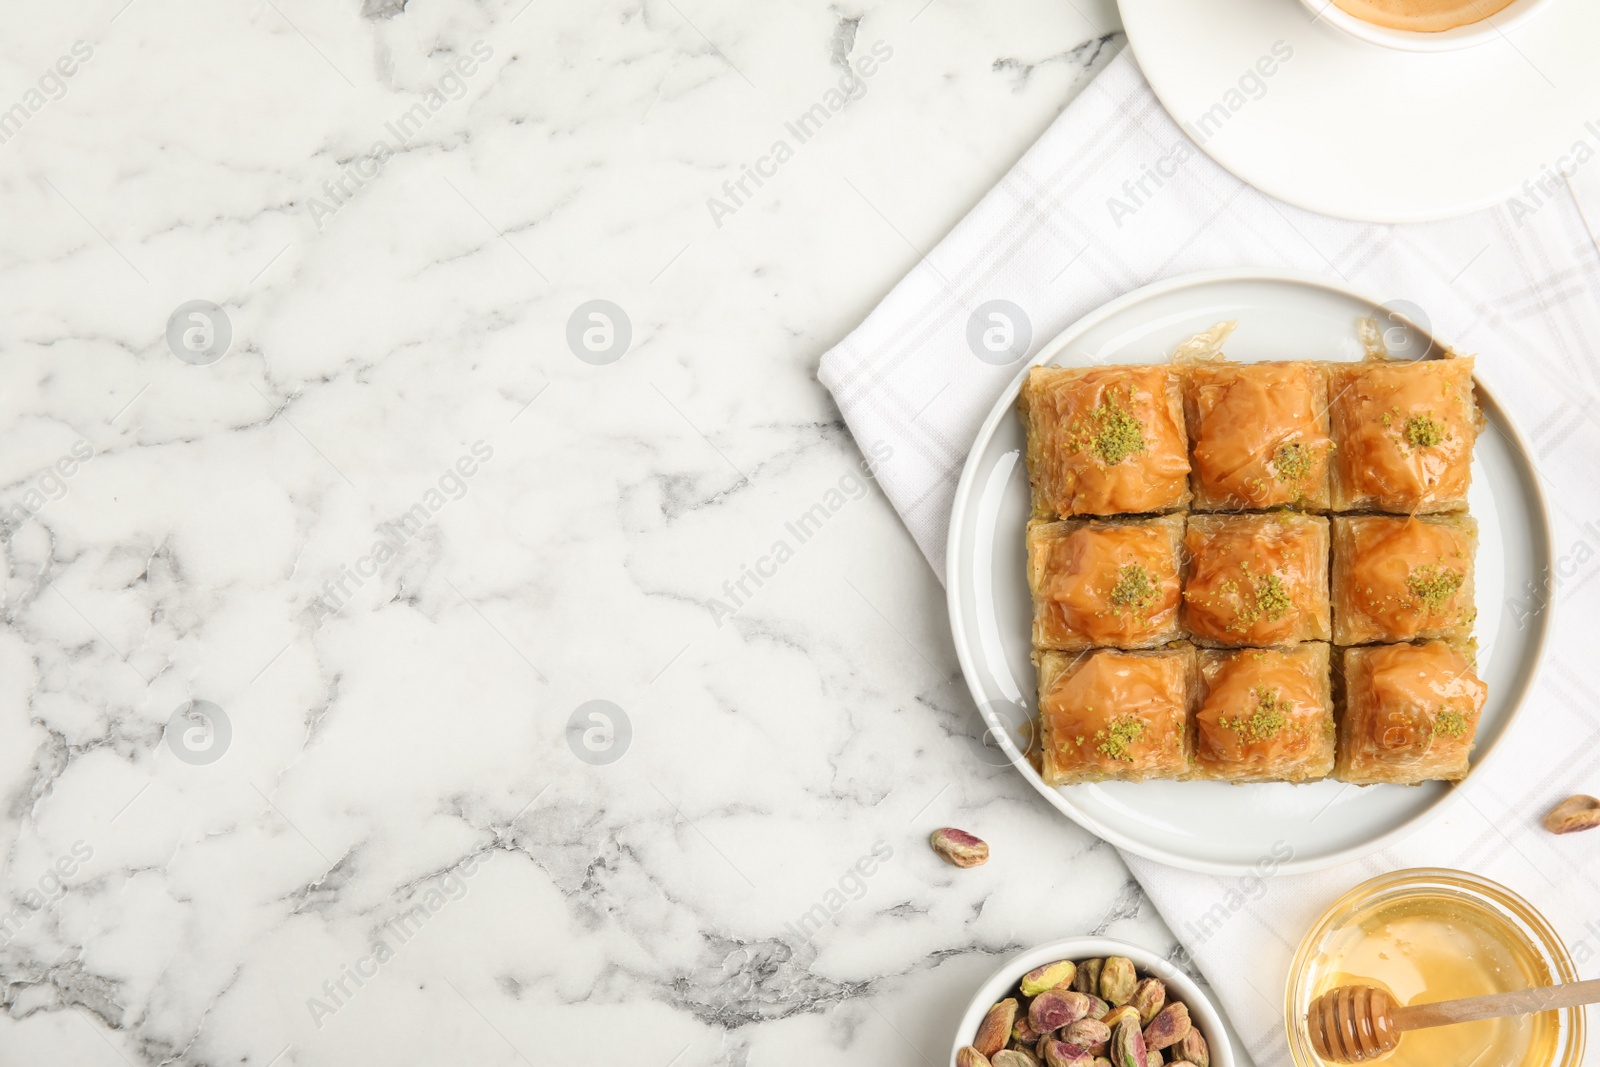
{"x": 1393, "y": 214}
{"x": 1005, "y": 401}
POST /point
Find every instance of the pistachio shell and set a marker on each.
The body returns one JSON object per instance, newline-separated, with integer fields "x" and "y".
{"x": 967, "y": 1056}
{"x": 1050, "y": 976}
{"x": 1149, "y": 996}
{"x": 995, "y": 1030}
{"x": 1168, "y": 1027}
{"x": 1573, "y": 814}
{"x": 1117, "y": 980}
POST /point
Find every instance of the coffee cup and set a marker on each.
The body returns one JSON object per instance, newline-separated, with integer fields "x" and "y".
{"x": 1426, "y": 25}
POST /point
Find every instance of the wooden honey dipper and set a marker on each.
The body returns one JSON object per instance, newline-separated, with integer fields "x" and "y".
{"x": 1355, "y": 1022}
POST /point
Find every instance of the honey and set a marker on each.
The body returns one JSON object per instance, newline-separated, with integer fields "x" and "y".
{"x": 1426, "y": 936}
{"x": 1440, "y": 947}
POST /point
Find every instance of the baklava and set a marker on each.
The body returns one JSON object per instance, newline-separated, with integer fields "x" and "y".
{"x": 1260, "y": 435}
{"x": 1113, "y": 715}
{"x": 1105, "y": 440}
{"x": 1410, "y": 714}
{"x": 1104, "y": 583}
{"x": 1403, "y": 434}
{"x": 1399, "y": 578}
{"x": 1256, "y": 580}
{"x": 1265, "y": 715}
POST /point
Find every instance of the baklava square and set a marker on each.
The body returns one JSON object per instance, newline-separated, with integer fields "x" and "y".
{"x": 1265, "y": 715}
{"x": 1105, "y": 583}
{"x": 1410, "y": 714}
{"x": 1256, "y": 580}
{"x": 1403, "y": 434}
{"x": 1259, "y": 434}
{"x": 1397, "y": 578}
{"x": 1114, "y": 715}
{"x": 1105, "y": 440}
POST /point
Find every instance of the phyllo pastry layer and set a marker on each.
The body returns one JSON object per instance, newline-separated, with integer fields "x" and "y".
{"x": 1105, "y": 440}
{"x": 1410, "y": 714}
{"x": 1265, "y": 715}
{"x": 1104, "y": 583}
{"x": 1260, "y": 435}
{"x": 1115, "y": 715}
{"x": 1395, "y": 579}
{"x": 1403, "y": 435}
{"x": 1256, "y": 580}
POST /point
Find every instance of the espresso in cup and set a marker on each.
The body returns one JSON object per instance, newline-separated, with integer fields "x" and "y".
{"x": 1422, "y": 16}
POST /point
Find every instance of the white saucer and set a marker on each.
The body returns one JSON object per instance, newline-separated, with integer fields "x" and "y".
{"x": 1363, "y": 132}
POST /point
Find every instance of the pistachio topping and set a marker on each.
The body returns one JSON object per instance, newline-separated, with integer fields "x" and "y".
{"x": 1135, "y": 589}
{"x": 1272, "y": 599}
{"x": 1269, "y": 716}
{"x": 1113, "y": 432}
{"x": 1433, "y": 585}
{"x": 1292, "y": 462}
{"x": 1450, "y": 723}
{"x": 1119, "y": 734}
{"x": 1264, "y": 596}
{"x": 1423, "y": 431}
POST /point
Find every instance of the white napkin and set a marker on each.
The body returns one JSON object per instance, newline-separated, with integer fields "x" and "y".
{"x": 1518, "y": 284}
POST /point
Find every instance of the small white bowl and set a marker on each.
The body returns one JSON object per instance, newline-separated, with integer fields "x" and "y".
{"x": 1493, "y": 28}
{"x": 999, "y": 984}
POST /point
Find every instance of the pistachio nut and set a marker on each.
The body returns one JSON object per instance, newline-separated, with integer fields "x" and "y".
{"x": 1065, "y": 1054}
{"x": 1014, "y": 1057}
{"x": 1149, "y": 996}
{"x": 1127, "y": 1045}
{"x": 1055, "y": 1008}
{"x": 1022, "y": 1031}
{"x": 1088, "y": 1033}
{"x": 1116, "y": 1015}
{"x": 968, "y": 1056}
{"x": 1573, "y": 814}
{"x": 1192, "y": 1049}
{"x": 1117, "y": 979}
{"x": 1087, "y": 980}
{"x": 1152, "y": 1058}
{"x": 995, "y": 1030}
{"x": 1168, "y": 1027}
{"x": 1050, "y": 976}
{"x": 1099, "y": 1061}
{"x": 1097, "y": 1007}
{"x": 959, "y": 847}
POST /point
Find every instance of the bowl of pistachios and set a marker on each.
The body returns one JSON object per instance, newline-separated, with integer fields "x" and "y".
{"x": 1090, "y": 1002}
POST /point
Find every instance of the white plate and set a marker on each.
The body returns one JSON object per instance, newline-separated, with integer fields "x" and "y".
{"x": 1212, "y": 826}
{"x": 1204, "y": 1014}
{"x": 1364, "y": 132}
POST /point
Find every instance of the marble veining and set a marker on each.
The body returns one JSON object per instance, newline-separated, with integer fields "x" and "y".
{"x": 494, "y": 780}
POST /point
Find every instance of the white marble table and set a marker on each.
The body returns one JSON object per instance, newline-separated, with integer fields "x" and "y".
{"x": 400, "y": 533}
